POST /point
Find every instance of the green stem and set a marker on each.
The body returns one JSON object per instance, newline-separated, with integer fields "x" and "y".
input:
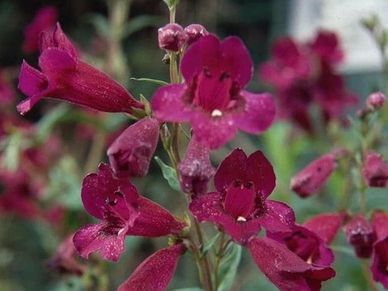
{"x": 203, "y": 261}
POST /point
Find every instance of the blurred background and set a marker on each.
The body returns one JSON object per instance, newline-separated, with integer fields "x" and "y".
{"x": 45, "y": 154}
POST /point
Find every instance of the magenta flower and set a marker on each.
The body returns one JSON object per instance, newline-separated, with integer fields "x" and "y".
{"x": 121, "y": 211}
{"x": 286, "y": 270}
{"x": 306, "y": 244}
{"x": 326, "y": 46}
{"x": 195, "y": 170}
{"x": 64, "y": 76}
{"x": 303, "y": 74}
{"x": 240, "y": 206}
{"x": 325, "y": 225}
{"x": 45, "y": 18}
{"x": 314, "y": 175}
{"x": 156, "y": 272}
{"x": 290, "y": 63}
{"x": 194, "y": 32}
{"x": 361, "y": 235}
{"x": 130, "y": 154}
{"x": 212, "y": 98}
{"x": 375, "y": 170}
{"x": 380, "y": 249}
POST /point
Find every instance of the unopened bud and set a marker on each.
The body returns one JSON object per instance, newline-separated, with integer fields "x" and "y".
{"x": 375, "y": 100}
{"x": 171, "y": 37}
{"x": 194, "y": 32}
{"x": 360, "y": 234}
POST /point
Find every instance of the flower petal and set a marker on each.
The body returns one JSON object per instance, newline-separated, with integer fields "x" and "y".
{"x": 213, "y": 132}
{"x": 232, "y": 168}
{"x": 156, "y": 272}
{"x": 154, "y": 220}
{"x": 277, "y": 217}
{"x": 380, "y": 262}
{"x": 236, "y": 60}
{"x": 285, "y": 269}
{"x": 325, "y": 225}
{"x": 258, "y": 114}
{"x": 101, "y": 192}
{"x": 261, "y": 173}
{"x": 204, "y": 53}
{"x": 168, "y": 105}
{"x": 99, "y": 238}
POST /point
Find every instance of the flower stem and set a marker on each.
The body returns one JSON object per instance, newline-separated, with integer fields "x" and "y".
{"x": 203, "y": 261}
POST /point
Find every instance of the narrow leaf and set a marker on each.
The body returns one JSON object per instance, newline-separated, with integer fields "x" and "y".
{"x": 208, "y": 245}
{"x": 155, "y": 81}
{"x": 228, "y": 267}
{"x": 169, "y": 174}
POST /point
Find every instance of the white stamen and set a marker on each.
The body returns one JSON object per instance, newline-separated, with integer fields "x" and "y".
{"x": 216, "y": 113}
{"x": 241, "y": 219}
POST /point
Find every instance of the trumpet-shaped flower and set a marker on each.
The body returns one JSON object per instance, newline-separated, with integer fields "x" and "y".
{"x": 240, "y": 205}
{"x": 121, "y": 211}
{"x": 213, "y": 98}
{"x": 64, "y": 76}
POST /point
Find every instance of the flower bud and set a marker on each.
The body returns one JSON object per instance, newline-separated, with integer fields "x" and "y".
{"x": 375, "y": 100}
{"x": 194, "y": 32}
{"x": 360, "y": 234}
{"x": 314, "y": 175}
{"x": 171, "y": 37}
{"x": 375, "y": 170}
{"x": 195, "y": 170}
{"x": 130, "y": 154}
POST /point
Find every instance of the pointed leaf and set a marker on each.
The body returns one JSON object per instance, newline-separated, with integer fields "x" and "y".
{"x": 169, "y": 174}
{"x": 228, "y": 267}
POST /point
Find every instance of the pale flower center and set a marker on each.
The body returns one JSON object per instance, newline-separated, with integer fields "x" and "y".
{"x": 216, "y": 113}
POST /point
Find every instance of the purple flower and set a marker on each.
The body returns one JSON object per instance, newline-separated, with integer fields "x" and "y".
{"x": 291, "y": 62}
{"x": 286, "y": 270}
{"x": 194, "y": 32}
{"x": 303, "y": 74}
{"x": 375, "y": 170}
{"x": 314, "y": 175}
{"x": 361, "y": 235}
{"x": 212, "y": 98}
{"x": 45, "y": 18}
{"x": 326, "y": 46}
{"x": 325, "y": 225}
{"x": 240, "y": 206}
{"x": 195, "y": 170}
{"x": 306, "y": 244}
{"x": 130, "y": 154}
{"x": 171, "y": 37}
{"x": 156, "y": 272}
{"x": 380, "y": 249}
{"x": 121, "y": 211}
{"x": 65, "y": 77}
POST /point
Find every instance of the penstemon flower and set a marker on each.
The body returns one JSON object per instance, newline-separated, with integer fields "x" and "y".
{"x": 64, "y": 76}
{"x": 121, "y": 211}
{"x": 212, "y": 97}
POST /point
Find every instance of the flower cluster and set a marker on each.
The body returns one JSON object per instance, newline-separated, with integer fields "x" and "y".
{"x": 304, "y": 74}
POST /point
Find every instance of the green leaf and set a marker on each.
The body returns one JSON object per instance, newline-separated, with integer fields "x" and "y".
{"x": 155, "y": 81}
{"x": 189, "y": 289}
{"x": 100, "y": 23}
{"x": 208, "y": 245}
{"x": 228, "y": 267}
{"x": 13, "y": 148}
{"x": 65, "y": 185}
{"x": 48, "y": 122}
{"x": 169, "y": 174}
